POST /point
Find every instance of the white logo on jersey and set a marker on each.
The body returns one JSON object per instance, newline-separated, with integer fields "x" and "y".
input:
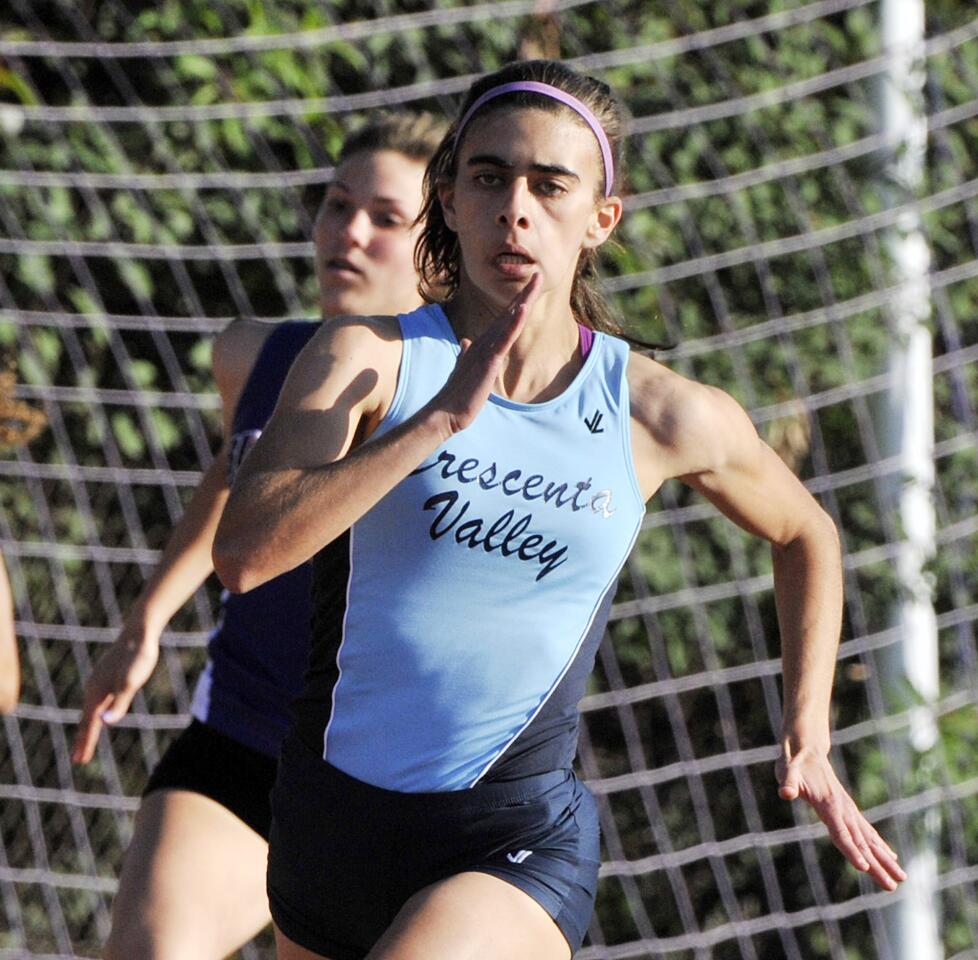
{"x": 518, "y": 857}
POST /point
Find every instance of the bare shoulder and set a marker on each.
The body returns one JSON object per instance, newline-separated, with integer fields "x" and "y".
{"x": 352, "y": 342}
{"x": 238, "y": 345}
{"x": 337, "y": 389}
{"x": 357, "y": 334}
{"x": 358, "y": 354}
{"x": 689, "y": 427}
{"x": 236, "y": 349}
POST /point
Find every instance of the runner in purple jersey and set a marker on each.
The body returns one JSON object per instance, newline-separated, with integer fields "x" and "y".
{"x": 193, "y": 881}
{"x": 519, "y": 196}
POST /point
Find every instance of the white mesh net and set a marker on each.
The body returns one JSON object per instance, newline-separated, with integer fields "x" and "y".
{"x": 158, "y": 169}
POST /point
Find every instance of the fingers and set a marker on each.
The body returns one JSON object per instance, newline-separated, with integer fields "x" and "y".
{"x": 105, "y": 712}
{"x": 886, "y": 871}
{"x": 481, "y": 358}
{"x": 524, "y": 300}
{"x": 89, "y": 728}
{"x": 101, "y": 708}
{"x": 880, "y": 845}
{"x": 881, "y": 861}
{"x": 866, "y": 851}
{"x": 855, "y": 837}
{"x": 790, "y": 781}
{"x": 122, "y": 699}
{"x": 510, "y": 325}
{"x": 526, "y": 297}
{"x": 845, "y": 839}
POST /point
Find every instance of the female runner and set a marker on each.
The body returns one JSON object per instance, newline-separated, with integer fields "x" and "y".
{"x": 19, "y": 424}
{"x": 9, "y": 660}
{"x": 193, "y": 881}
{"x": 481, "y": 466}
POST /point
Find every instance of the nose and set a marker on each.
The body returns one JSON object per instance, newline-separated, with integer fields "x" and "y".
{"x": 513, "y": 209}
{"x": 356, "y": 227}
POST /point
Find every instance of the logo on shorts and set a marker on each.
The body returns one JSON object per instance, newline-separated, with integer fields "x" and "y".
{"x": 519, "y": 857}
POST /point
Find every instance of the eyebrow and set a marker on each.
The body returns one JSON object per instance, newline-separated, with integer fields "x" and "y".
{"x": 389, "y": 201}
{"x": 493, "y": 160}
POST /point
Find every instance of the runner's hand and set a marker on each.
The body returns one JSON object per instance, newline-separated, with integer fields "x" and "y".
{"x": 810, "y": 777}
{"x": 118, "y": 675}
{"x": 478, "y": 366}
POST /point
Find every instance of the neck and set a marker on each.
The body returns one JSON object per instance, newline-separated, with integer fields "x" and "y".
{"x": 544, "y": 359}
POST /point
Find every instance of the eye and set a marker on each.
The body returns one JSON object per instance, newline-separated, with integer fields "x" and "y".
{"x": 487, "y": 178}
{"x": 335, "y": 204}
{"x": 389, "y": 220}
{"x": 550, "y": 188}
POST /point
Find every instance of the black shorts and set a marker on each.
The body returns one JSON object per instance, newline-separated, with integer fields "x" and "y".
{"x": 203, "y": 760}
{"x": 344, "y": 856}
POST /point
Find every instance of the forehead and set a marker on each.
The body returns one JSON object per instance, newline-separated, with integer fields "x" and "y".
{"x": 531, "y": 135}
{"x": 382, "y": 174}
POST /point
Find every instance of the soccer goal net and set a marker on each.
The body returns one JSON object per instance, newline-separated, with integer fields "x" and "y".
{"x": 160, "y": 164}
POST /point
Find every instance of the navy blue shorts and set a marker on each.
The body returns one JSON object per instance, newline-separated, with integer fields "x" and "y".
{"x": 344, "y": 856}
{"x": 205, "y": 761}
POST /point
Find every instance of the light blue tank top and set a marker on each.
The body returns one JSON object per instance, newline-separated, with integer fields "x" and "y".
{"x": 478, "y": 586}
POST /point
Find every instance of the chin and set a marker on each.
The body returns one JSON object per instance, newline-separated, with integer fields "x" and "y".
{"x": 342, "y": 305}
{"x": 502, "y": 291}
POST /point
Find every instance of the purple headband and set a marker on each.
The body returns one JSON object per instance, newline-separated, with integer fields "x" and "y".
{"x": 546, "y": 90}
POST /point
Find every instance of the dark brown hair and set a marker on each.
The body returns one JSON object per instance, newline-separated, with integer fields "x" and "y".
{"x": 437, "y": 255}
{"x": 416, "y": 135}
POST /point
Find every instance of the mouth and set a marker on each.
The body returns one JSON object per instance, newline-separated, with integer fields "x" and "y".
{"x": 513, "y": 262}
{"x": 513, "y": 255}
{"x": 341, "y": 265}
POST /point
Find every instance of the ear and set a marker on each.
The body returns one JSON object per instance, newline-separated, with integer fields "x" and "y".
{"x": 446, "y": 197}
{"x": 605, "y": 218}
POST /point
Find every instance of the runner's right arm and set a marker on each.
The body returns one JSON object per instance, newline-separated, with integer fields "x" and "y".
{"x": 310, "y": 476}
{"x": 184, "y": 564}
